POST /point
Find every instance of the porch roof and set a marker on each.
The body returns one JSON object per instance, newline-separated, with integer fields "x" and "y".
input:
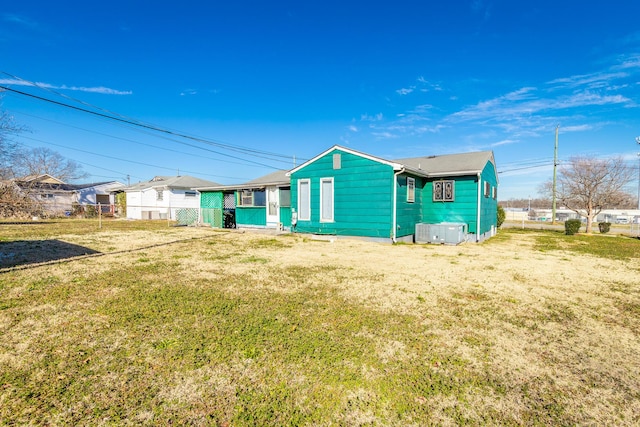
{"x": 277, "y": 179}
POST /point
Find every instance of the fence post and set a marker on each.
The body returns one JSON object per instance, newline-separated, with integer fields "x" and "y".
{"x": 99, "y": 216}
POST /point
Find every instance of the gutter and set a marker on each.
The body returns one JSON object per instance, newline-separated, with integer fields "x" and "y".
{"x": 478, "y": 208}
{"x": 395, "y": 204}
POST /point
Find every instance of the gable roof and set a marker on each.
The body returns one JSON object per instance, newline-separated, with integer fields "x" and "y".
{"x": 426, "y": 166}
{"x": 394, "y": 165}
{"x": 450, "y": 164}
{"x": 278, "y": 178}
{"x": 43, "y": 178}
{"x": 184, "y": 182}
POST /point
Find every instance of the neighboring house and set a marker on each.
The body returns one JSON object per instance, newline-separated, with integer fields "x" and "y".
{"x": 165, "y": 197}
{"x": 346, "y": 192}
{"x": 59, "y": 198}
{"x": 101, "y": 194}
{"x": 264, "y": 202}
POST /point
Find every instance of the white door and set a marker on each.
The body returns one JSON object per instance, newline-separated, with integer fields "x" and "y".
{"x": 273, "y": 207}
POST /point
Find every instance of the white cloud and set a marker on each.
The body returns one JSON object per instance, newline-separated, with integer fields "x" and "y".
{"x": 405, "y": 91}
{"x": 367, "y": 118}
{"x": 384, "y": 135}
{"x": 591, "y": 81}
{"x": 576, "y": 128}
{"x": 97, "y": 89}
{"x": 353, "y": 128}
{"x": 523, "y": 103}
{"x": 20, "y": 20}
{"x": 504, "y": 142}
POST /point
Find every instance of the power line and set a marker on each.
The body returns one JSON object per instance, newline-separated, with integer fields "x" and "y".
{"x": 123, "y": 160}
{"x": 136, "y": 122}
{"x": 142, "y": 143}
{"x": 142, "y": 125}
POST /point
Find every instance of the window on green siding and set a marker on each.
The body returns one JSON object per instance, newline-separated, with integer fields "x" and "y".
{"x": 304, "y": 200}
{"x": 411, "y": 190}
{"x": 487, "y": 189}
{"x": 337, "y": 161}
{"x": 444, "y": 191}
{"x": 326, "y": 199}
{"x": 252, "y": 198}
{"x": 285, "y": 197}
{"x": 494, "y": 192}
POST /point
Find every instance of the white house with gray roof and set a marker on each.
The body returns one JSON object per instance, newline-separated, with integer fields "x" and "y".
{"x": 164, "y": 197}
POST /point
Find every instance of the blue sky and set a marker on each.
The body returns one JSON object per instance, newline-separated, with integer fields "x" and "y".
{"x": 259, "y": 84}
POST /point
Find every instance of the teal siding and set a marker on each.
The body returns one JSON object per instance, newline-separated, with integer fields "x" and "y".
{"x": 408, "y": 213}
{"x": 363, "y": 196}
{"x": 211, "y": 204}
{"x": 488, "y": 205}
{"x": 462, "y": 209}
{"x": 285, "y": 216}
{"x": 251, "y": 216}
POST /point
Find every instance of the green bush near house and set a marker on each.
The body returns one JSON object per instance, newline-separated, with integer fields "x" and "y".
{"x": 121, "y": 203}
{"x": 604, "y": 227}
{"x": 502, "y": 215}
{"x": 572, "y": 226}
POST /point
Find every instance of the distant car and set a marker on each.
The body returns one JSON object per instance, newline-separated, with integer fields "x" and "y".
{"x": 622, "y": 220}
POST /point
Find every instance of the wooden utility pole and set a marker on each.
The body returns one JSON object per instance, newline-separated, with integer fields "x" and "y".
{"x": 555, "y": 166}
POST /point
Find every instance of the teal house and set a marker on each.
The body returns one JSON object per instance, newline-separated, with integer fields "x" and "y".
{"x": 264, "y": 202}
{"x": 344, "y": 192}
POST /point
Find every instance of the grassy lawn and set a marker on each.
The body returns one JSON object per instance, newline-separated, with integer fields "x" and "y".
{"x": 174, "y": 325}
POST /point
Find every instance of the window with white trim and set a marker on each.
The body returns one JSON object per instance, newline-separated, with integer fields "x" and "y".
{"x": 444, "y": 191}
{"x": 337, "y": 161}
{"x": 494, "y": 192}
{"x": 252, "y": 198}
{"x": 189, "y": 194}
{"x": 304, "y": 200}
{"x": 487, "y": 189}
{"x": 159, "y": 195}
{"x": 326, "y": 199}
{"x": 411, "y": 189}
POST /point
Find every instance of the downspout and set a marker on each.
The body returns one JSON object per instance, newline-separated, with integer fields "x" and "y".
{"x": 478, "y": 208}
{"x": 395, "y": 203}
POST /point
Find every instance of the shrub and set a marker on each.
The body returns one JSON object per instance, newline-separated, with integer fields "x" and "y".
{"x": 604, "y": 227}
{"x": 501, "y": 215}
{"x": 571, "y": 226}
{"x": 90, "y": 211}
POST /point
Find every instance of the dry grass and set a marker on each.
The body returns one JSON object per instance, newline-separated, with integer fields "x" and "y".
{"x": 195, "y": 326}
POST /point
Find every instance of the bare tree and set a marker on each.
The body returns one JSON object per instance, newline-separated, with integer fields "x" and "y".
{"x": 40, "y": 160}
{"x": 8, "y": 147}
{"x": 586, "y": 185}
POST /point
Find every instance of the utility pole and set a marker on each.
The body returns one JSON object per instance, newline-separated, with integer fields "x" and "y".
{"x": 555, "y": 166}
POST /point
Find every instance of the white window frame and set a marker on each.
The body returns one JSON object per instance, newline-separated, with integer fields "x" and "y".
{"x": 308, "y": 204}
{"x": 323, "y": 215}
{"x": 411, "y": 189}
{"x": 159, "y": 195}
{"x": 245, "y": 198}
